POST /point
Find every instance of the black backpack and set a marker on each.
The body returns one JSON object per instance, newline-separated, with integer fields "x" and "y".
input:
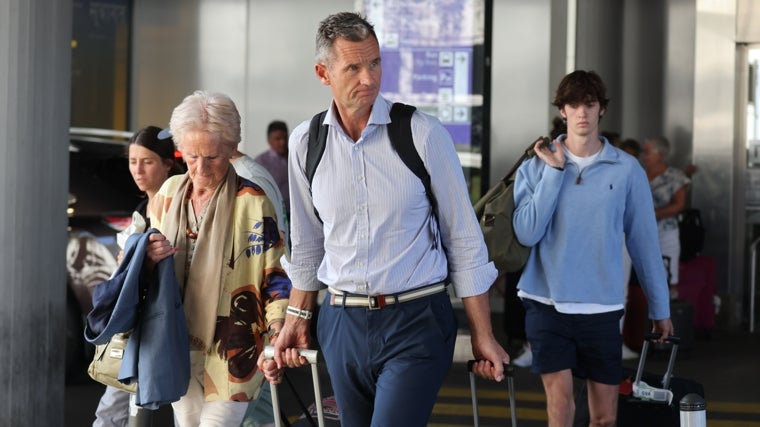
{"x": 400, "y": 134}
{"x": 691, "y": 233}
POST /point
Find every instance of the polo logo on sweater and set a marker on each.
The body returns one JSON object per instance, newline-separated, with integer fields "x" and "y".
{"x": 610, "y": 186}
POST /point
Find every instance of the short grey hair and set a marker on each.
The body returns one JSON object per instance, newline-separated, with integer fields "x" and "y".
{"x": 215, "y": 113}
{"x": 344, "y": 25}
{"x": 661, "y": 144}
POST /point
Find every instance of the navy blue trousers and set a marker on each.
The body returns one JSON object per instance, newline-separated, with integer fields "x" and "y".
{"x": 387, "y": 365}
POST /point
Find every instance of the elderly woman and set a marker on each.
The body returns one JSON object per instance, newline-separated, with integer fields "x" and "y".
{"x": 669, "y": 192}
{"x": 222, "y": 231}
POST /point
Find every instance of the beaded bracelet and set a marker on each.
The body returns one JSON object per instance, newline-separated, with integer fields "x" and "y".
{"x": 303, "y": 314}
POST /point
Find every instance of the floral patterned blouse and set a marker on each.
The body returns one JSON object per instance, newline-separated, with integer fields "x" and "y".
{"x": 664, "y": 186}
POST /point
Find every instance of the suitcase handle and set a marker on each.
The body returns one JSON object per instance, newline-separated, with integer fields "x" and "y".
{"x": 310, "y": 355}
{"x": 509, "y": 370}
{"x": 652, "y": 336}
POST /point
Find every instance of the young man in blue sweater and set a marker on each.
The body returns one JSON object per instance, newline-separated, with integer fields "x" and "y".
{"x": 575, "y": 201}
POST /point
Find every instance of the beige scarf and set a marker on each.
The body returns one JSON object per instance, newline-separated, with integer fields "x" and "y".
{"x": 202, "y": 283}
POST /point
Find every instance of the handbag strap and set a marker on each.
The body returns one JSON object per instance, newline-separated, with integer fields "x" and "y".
{"x": 528, "y": 153}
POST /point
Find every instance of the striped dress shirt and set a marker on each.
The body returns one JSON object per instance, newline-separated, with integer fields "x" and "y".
{"x": 378, "y": 234}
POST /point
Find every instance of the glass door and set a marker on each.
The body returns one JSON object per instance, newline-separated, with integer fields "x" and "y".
{"x": 438, "y": 59}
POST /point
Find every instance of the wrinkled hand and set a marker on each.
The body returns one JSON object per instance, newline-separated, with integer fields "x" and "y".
{"x": 292, "y": 337}
{"x": 490, "y": 358}
{"x": 158, "y": 248}
{"x": 269, "y": 368}
{"x": 555, "y": 158}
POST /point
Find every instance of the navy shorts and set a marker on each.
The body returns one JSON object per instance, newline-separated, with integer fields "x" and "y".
{"x": 588, "y": 344}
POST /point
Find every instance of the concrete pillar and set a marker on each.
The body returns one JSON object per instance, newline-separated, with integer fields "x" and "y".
{"x": 35, "y": 38}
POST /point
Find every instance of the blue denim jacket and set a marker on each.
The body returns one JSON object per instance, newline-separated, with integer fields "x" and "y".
{"x": 158, "y": 353}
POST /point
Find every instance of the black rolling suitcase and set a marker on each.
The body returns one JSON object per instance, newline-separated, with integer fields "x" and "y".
{"x": 646, "y": 399}
{"x": 682, "y": 316}
{"x": 509, "y": 372}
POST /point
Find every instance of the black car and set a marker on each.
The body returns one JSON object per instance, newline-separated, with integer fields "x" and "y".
{"x": 102, "y": 196}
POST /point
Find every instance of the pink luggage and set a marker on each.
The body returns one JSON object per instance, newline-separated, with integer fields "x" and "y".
{"x": 696, "y": 284}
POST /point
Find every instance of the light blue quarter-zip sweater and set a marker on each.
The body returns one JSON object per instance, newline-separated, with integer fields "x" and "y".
{"x": 575, "y": 221}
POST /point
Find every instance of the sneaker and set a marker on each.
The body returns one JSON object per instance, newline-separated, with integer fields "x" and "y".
{"x": 525, "y": 358}
{"x": 629, "y": 354}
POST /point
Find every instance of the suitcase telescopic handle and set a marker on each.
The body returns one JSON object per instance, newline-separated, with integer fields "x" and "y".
{"x": 651, "y": 337}
{"x": 311, "y": 357}
{"x": 509, "y": 372}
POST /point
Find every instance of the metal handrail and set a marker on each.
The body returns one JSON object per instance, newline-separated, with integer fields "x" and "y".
{"x": 753, "y": 272}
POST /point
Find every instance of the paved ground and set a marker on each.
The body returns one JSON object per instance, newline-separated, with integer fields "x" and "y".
{"x": 727, "y": 364}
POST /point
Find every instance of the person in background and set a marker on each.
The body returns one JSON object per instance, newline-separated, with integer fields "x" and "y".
{"x": 222, "y": 231}
{"x": 275, "y": 160}
{"x": 612, "y": 137}
{"x": 386, "y": 327}
{"x": 631, "y": 146}
{"x": 151, "y": 162}
{"x": 576, "y": 202}
{"x": 249, "y": 169}
{"x": 668, "y": 186}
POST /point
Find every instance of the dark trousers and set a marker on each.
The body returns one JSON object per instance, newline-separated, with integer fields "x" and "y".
{"x": 387, "y": 365}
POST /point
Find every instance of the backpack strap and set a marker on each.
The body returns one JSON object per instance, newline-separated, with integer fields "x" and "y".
{"x": 317, "y": 143}
{"x": 315, "y": 148}
{"x": 400, "y": 134}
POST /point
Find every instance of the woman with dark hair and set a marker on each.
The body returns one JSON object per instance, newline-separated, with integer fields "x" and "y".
{"x": 151, "y": 162}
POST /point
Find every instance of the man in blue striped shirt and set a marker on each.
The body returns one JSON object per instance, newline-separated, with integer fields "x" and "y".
{"x": 386, "y": 327}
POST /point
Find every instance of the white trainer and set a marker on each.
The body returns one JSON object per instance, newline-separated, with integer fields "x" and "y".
{"x": 525, "y": 358}
{"x": 629, "y": 354}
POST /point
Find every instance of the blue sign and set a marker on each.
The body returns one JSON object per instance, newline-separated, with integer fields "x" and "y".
{"x": 427, "y": 57}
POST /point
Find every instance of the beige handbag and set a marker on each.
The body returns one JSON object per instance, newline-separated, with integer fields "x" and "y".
{"x": 107, "y": 362}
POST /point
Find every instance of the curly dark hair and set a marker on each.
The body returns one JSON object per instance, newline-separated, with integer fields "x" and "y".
{"x": 579, "y": 87}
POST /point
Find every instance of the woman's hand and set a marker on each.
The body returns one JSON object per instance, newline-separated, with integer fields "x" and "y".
{"x": 269, "y": 368}
{"x": 158, "y": 248}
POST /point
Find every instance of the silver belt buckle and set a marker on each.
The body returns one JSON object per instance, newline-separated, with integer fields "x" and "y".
{"x": 375, "y": 302}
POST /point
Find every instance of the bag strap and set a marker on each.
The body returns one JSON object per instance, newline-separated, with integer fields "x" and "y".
{"x": 316, "y": 145}
{"x": 528, "y": 153}
{"x": 315, "y": 148}
{"x": 400, "y": 134}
